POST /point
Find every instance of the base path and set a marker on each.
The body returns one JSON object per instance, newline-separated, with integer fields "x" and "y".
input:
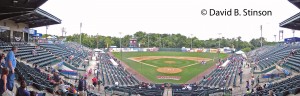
{"x": 137, "y": 75}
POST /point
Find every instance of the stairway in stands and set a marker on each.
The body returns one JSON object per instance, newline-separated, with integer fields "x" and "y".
{"x": 168, "y": 92}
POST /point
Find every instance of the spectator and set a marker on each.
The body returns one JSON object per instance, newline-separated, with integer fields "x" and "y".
{"x": 3, "y": 80}
{"x": 271, "y": 93}
{"x": 2, "y": 60}
{"x": 11, "y": 63}
{"x": 33, "y": 93}
{"x": 62, "y": 88}
{"x": 82, "y": 86}
{"x": 21, "y": 91}
{"x": 56, "y": 79}
{"x": 36, "y": 68}
{"x": 72, "y": 89}
{"x": 34, "y": 53}
{"x": 252, "y": 81}
{"x": 258, "y": 88}
{"x": 247, "y": 85}
{"x": 95, "y": 80}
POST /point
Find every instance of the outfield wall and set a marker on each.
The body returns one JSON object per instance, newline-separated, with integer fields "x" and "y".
{"x": 210, "y": 50}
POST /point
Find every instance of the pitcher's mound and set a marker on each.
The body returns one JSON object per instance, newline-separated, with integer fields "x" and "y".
{"x": 168, "y": 70}
{"x": 170, "y": 62}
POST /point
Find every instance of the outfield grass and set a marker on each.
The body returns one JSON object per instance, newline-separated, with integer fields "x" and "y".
{"x": 151, "y": 73}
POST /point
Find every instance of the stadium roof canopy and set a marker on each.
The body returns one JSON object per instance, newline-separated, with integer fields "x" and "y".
{"x": 292, "y": 22}
{"x": 295, "y": 2}
{"x": 36, "y": 18}
{"x": 27, "y": 11}
{"x": 11, "y": 8}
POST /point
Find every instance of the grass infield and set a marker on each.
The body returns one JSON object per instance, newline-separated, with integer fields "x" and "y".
{"x": 148, "y": 67}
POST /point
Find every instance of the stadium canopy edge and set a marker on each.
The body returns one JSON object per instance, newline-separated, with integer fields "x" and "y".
{"x": 11, "y": 8}
{"x": 27, "y": 11}
{"x": 295, "y": 2}
{"x": 292, "y": 22}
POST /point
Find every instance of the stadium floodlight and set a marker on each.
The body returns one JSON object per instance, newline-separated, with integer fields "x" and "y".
{"x": 97, "y": 41}
{"x": 80, "y": 33}
{"x": 121, "y": 44}
{"x": 293, "y": 33}
{"x": 47, "y": 29}
{"x": 279, "y": 36}
{"x": 148, "y": 40}
{"x": 261, "y": 36}
{"x": 191, "y": 41}
{"x": 219, "y": 45}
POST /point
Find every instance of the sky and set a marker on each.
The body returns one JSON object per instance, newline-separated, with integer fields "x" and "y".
{"x": 110, "y": 17}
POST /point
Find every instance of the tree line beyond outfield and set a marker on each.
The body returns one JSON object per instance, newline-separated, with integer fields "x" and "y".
{"x": 166, "y": 41}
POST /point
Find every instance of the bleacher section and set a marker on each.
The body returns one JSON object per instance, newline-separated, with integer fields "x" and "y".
{"x": 269, "y": 58}
{"x": 43, "y": 58}
{"x": 130, "y": 90}
{"x": 111, "y": 74}
{"x": 65, "y": 51}
{"x": 216, "y": 77}
{"x": 293, "y": 63}
{"x": 289, "y": 86}
{"x": 32, "y": 76}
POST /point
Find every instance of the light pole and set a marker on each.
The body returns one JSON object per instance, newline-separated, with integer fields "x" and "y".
{"x": 97, "y": 41}
{"x": 120, "y": 44}
{"x": 47, "y": 30}
{"x": 261, "y": 36}
{"x": 293, "y": 33}
{"x": 148, "y": 40}
{"x": 219, "y": 45}
{"x": 191, "y": 41}
{"x": 160, "y": 44}
{"x": 282, "y": 34}
{"x": 279, "y": 36}
{"x": 275, "y": 38}
{"x": 80, "y": 33}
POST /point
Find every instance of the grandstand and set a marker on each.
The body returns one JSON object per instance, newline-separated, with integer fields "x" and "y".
{"x": 275, "y": 68}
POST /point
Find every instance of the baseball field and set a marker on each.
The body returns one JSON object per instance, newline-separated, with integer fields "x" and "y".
{"x": 169, "y": 67}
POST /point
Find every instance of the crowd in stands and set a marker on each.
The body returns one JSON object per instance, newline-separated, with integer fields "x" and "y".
{"x": 46, "y": 78}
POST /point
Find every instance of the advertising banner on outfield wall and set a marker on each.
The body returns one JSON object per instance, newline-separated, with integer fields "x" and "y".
{"x": 154, "y": 49}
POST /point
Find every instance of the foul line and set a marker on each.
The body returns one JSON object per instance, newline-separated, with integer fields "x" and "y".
{"x": 189, "y": 65}
{"x": 144, "y": 63}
